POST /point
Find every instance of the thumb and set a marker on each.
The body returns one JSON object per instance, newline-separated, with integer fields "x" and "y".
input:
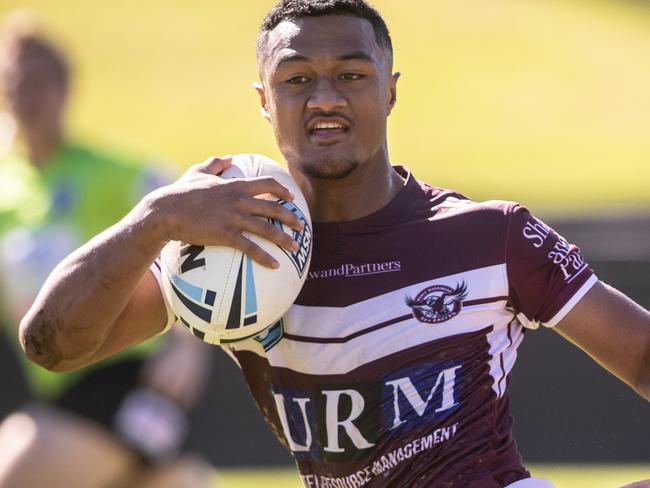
{"x": 215, "y": 165}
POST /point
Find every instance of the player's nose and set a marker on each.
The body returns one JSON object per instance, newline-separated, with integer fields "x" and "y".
{"x": 326, "y": 97}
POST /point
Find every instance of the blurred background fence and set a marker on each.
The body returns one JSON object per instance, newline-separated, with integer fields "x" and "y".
{"x": 546, "y": 102}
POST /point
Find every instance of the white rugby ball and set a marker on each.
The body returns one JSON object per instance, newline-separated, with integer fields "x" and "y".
{"x": 222, "y": 295}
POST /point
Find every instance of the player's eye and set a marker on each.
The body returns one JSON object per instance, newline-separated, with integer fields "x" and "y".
{"x": 351, "y": 76}
{"x": 297, "y": 80}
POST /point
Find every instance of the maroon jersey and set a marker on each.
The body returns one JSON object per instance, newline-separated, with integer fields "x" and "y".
{"x": 392, "y": 367}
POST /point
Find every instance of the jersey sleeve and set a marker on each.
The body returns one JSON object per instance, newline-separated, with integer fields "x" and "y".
{"x": 547, "y": 276}
{"x": 157, "y": 273}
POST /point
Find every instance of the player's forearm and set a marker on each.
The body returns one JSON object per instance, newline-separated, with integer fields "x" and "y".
{"x": 644, "y": 384}
{"x": 633, "y": 356}
{"x": 615, "y": 331}
{"x": 86, "y": 293}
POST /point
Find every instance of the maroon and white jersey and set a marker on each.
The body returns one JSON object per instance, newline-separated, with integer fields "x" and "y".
{"x": 392, "y": 367}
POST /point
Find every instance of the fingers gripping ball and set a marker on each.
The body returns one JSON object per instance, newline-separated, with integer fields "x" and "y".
{"x": 221, "y": 294}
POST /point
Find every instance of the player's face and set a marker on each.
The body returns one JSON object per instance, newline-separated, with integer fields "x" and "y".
{"x": 327, "y": 89}
{"x": 33, "y": 90}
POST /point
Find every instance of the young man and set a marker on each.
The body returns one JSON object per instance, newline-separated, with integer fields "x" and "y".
{"x": 83, "y": 429}
{"x": 395, "y": 378}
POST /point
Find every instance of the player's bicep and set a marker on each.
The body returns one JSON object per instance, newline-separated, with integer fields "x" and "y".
{"x": 144, "y": 316}
{"x": 613, "y": 330}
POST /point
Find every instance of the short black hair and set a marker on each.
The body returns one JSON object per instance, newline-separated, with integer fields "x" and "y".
{"x": 295, "y": 9}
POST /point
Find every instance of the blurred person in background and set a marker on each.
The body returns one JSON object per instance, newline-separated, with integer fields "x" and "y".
{"x": 123, "y": 422}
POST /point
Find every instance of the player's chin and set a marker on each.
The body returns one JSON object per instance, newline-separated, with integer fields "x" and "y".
{"x": 329, "y": 169}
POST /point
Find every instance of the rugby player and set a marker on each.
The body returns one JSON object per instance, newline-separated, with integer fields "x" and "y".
{"x": 396, "y": 376}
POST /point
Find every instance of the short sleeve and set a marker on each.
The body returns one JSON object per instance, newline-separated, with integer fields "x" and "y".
{"x": 547, "y": 276}
{"x": 157, "y": 273}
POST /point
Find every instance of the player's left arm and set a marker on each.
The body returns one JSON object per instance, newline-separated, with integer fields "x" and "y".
{"x": 615, "y": 332}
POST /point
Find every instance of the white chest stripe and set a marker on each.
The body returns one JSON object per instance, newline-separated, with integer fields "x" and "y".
{"x": 337, "y": 340}
{"x": 338, "y": 322}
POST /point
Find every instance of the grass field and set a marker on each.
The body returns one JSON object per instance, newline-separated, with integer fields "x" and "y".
{"x": 544, "y": 102}
{"x": 563, "y": 476}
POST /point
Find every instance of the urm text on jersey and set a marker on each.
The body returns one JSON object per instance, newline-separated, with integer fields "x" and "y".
{"x": 348, "y": 420}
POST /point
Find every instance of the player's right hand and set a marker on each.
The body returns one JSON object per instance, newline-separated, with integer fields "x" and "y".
{"x": 203, "y": 209}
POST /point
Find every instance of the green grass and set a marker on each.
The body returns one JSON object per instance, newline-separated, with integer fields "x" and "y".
{"x": 542, "y": 102}
{"x": 563, "y": 476}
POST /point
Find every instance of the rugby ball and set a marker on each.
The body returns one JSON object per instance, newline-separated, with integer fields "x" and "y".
{"x": 220, "y": 294}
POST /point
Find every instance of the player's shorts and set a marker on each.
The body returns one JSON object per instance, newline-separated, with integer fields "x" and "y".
{"x": 152, "y": 427}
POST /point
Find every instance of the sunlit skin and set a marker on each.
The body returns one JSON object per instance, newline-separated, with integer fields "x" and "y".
{"x": 331, "y": 69}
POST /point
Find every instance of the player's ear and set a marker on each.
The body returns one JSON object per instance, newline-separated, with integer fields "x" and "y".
{"x": 259, "y": 88}
{"x": 393, "y": 90}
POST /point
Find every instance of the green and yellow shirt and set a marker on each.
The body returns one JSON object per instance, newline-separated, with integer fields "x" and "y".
{"x": 47, "y": 212}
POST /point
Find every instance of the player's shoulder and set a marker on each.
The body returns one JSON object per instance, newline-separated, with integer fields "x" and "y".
{"x": 446, "y": 203}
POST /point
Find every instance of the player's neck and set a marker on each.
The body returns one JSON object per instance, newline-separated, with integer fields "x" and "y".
{"x": 366, "y": 190}
{"x": 42, "y": 143}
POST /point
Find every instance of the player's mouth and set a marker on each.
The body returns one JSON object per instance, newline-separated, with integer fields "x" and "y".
{"x": 327, "y": 129}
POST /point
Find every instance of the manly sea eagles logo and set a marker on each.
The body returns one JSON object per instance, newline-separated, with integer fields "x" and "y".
{"x": 438, "y": 303}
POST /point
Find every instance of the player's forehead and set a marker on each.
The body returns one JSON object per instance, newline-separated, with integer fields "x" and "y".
{"x": 320, "y": 38}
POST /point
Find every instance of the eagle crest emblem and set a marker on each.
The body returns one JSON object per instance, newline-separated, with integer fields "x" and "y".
{"x": 437, "y": 303}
